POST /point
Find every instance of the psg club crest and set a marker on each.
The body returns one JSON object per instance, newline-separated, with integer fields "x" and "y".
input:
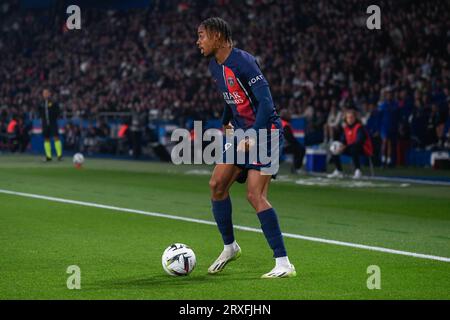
{"x": 230, "y": 81}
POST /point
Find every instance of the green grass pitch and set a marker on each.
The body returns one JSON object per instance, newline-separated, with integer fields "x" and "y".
{"x": 119, "y": 253}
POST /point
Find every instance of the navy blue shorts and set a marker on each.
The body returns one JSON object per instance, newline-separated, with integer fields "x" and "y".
{"x": 259, "y": 159}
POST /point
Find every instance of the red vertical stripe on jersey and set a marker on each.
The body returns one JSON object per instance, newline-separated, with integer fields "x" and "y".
{"x": 243, "y": 107}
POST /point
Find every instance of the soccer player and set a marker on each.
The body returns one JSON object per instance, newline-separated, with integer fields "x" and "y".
{"x": 248, "y": 105}
{"x": 388, "y": 125}
{"x": 49, "y": 111}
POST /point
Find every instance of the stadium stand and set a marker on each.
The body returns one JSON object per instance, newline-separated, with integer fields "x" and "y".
{"x": 145, "y": 61}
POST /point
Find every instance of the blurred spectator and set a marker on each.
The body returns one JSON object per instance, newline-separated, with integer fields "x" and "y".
{"x": 13, "y": 134}
{"x": 418, "y": 123}
{"x": 123, "y": 136}
{"x": 16, "y": 137}
{"x": 90, "y": 140}
{"x": 23, "y": 134}
{"x": 435, "y": 126}
{"x": 355, "y": 143}
{"x": 72, "y": 137}
{"x": 371, "y": 121}
{"x": 138, "y": 124}
{"x": 445, "y": 137}
{"x": 291, "y": 143}
{"x": 333, "y": 124}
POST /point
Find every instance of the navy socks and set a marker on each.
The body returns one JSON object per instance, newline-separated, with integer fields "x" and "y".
{"x": 222, "y": 214}
{"x": 272, "y": 232}
{"x": 269, "y": 225}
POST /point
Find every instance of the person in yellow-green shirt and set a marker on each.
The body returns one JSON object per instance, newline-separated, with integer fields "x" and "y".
{"x": 49, "y": 111}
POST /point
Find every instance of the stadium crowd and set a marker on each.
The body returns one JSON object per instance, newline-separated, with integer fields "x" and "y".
{"x": 318, "y": 55}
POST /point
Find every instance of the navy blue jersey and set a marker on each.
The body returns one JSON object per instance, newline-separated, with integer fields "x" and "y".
{"x": 237, "y": 79}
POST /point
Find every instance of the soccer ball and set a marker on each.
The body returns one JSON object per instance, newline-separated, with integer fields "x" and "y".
{"x": 335, "y": 147}
{"x": 178, "y": 260}
{"x": 78, "y": 160}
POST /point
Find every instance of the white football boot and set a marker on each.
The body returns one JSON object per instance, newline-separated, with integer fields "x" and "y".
{"x": 357, "y": 175}
{"x": 285, "y": 270}
{"x": 336, "y": 174}
{"x": 229, "y": 253}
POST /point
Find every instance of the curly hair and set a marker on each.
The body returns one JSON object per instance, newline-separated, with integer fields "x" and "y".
{"x": 219, "y": 25}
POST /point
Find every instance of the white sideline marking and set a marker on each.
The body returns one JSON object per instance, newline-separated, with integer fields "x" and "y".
{"x": 287, "y": 235}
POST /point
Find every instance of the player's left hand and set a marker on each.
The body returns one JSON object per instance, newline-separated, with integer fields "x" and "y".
{"x": 246, "y": 144}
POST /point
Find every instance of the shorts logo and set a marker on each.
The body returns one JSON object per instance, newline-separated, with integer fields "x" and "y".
{"x": 230, "y": 81}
